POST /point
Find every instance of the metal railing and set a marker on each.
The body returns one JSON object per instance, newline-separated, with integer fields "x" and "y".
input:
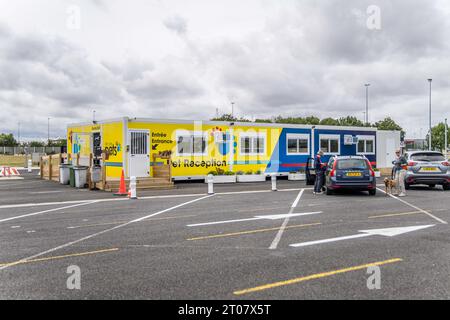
{"x": 29, "y": 150}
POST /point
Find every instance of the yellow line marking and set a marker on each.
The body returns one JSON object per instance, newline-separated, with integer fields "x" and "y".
{"x": 395, "y": 214}
{"x": 120, "y": 222}
{"x": 314, "y": 276}
{"x": 58, "y": 257}
{"x": 251, "y": 232}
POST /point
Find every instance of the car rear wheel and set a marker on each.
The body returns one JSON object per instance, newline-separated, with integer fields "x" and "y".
{"x": 372, "y": 192}
{"x": 329, "y": 192}
{"x": 407, "y": 186}
{"x": 446, "y": 187}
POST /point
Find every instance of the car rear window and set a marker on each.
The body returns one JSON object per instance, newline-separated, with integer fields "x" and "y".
{"x": 427, "y": 156}
{"x": 348, "y": 164}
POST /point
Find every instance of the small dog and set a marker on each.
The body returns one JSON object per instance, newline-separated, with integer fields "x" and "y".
{"x": 390, "y": 184}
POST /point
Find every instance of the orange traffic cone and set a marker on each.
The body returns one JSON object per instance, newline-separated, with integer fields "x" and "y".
{"x": 122, "y": 188}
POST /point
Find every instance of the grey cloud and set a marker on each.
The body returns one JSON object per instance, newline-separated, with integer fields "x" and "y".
{"x": 176, "y": 24}
{"x": 310, "y": 58}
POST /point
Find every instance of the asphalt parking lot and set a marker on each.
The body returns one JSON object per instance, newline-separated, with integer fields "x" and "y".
{"x": 244, "y": 242}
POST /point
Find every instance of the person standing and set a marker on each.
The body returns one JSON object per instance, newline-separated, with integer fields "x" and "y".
{"x": 318, "y": 168}
{"x": 400, "y": 164}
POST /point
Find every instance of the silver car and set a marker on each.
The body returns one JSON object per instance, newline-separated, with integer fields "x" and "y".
{"x": 427, "y": 167}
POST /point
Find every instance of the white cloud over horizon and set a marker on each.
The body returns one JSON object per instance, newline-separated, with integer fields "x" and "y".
{"x": 184, "y": 59}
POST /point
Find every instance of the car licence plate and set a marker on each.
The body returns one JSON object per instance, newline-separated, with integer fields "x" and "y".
{"x": 354, "y": 174}
{"x": 429, "y": 169}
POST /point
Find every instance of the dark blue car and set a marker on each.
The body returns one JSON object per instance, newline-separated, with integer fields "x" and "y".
{"x": 351, "y": 173}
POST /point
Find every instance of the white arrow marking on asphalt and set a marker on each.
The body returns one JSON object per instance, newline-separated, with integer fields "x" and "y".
{"x": 389, "y": 232}
{"x": 268, "y": 217}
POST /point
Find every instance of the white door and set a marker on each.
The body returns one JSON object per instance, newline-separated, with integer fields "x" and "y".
{"x": 390, "y": 152}
{"x": 139, "y": 157}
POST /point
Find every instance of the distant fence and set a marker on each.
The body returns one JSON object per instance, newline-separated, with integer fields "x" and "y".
{"x": 29, "y": 150}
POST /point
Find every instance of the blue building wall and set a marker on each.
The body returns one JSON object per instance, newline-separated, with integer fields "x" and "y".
{"x": 283, "y": 163}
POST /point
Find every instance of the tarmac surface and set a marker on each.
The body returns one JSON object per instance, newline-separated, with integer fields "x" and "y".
{"x": 243, "y": 242}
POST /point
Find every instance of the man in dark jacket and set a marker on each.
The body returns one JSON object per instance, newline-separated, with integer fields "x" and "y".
{"x": 318, "y": 167}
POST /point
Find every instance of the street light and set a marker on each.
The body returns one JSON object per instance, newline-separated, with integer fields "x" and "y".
{"x": 232, "y": 109}
{"x": 446, "y": 139}
{"x": 429, "y": 137}
{"x": 48, "y": 131}
{"x": 367, "y": 85}
{"x": 18, "y": 134}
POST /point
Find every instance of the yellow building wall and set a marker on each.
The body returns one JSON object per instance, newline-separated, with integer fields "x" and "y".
{"x": 80, "y": 141}
{"x": 164, "y": 137}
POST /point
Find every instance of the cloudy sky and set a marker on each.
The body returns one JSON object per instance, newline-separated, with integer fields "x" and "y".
{"x": 183, "y": 59}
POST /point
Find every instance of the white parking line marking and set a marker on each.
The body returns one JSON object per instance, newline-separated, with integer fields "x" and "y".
{"x": 46, "y": 211}
{"x": 415, "y": 207}
{"x": 47, "y": 192}
{"x": 173, "y": 196}
{"x": 102, "y": 232}
{"x": 277, "y": 238}
{"x": 388, "y": 232}
{"x": 268, "y": 217}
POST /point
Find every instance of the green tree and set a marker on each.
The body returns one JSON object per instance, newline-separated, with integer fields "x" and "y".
{"x": 350, "y": 121}
{"x": 438, "y": 137}
{"x": 298, "y": 120}
{"x": 36, "y": 144}
{"x": 389, "y": 124}
{"x": 263, "y": 121}
{"x": 7, "y": 140}
{"x": 58, "y": 143}
{"x": 329, "y": 122}
{"x": 230, "y": 118}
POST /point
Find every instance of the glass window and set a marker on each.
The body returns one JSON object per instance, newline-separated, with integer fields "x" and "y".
{"x": 366, "y": 145}
{"x": 292, "y": 145}
{"x": 324, "y": 145}
{"x": 199, "y": 145}
{"x": 334, "y": 146}
{"x": 184, "y": 145}
{"x": 361, "y": 146}
{"x": 303, "y": 146}
{"x": 298, "y": 144}
{"x": 253, "y": 145}
{"x": 352, "y": 164}
{"x": 330, "y": 144}
{"x": 188, "y": 145}
{"x": 427, "y": 156}
{"x": 369, "y": 146}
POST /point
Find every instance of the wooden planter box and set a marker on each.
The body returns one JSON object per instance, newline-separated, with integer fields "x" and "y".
{"x": 251, "y": 178}
{"x": 222, "y": 179}
{"x": 297, "y": 176}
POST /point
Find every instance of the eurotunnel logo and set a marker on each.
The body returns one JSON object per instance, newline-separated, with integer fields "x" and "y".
{"x": 113, "y": 148}
{"x": 199, "y": 164}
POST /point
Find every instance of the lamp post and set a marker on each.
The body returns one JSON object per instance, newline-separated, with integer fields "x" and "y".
{"x": 367, "y": 85}
{"x": 232, "y": 109}
{"x": 48, "y": 131}
{"x": 446, "y": 138}
{"x": 429, "y": 137}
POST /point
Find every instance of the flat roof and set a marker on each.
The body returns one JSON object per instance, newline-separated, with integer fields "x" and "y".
{"x": 227, "y": 123}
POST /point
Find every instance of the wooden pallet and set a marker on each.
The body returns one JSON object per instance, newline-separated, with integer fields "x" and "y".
{"x": 141, "y": 184}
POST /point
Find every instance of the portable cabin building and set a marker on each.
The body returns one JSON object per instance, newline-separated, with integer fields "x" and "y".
{"x": 199, "y": 147}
